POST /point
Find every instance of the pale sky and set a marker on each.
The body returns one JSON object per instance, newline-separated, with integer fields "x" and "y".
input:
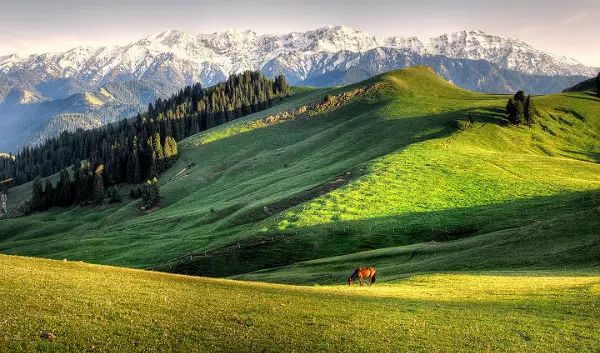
{"x": 570, "y": 28}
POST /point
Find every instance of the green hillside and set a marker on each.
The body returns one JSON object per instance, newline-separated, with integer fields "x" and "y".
{"x": 390, "y": 164}
{"x": 585, "y": 86}
{"x": 56, "y": 306}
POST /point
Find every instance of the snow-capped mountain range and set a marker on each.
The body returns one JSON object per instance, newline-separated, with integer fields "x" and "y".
{"x": 210, "y": 57}
{"x": 325, "y": 56}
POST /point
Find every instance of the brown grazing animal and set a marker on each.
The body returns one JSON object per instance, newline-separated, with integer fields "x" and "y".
{"x": 363, "y": 273}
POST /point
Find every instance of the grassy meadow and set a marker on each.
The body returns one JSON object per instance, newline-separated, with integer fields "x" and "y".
{"x": 57, "y": 306}
{"x": 485, "y": 236}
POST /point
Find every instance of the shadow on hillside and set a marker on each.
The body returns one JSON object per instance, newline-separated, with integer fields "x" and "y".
{"x": 584, "y": 156}
{"x": 326, "y": 148}
{"x": 584, "y": 95}
{"x": 281, "y": 248}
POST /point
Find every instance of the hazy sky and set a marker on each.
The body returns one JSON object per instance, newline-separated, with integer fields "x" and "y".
{"x": 569, "y": 28}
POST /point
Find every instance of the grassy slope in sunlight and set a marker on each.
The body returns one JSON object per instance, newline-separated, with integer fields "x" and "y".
{"x": 85, "y": 311}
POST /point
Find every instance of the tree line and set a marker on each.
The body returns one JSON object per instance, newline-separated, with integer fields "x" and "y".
{"x": 86, "y": 187}
{"x": 520, "y": 109}
{"x": 188, "y": 112}
{"x": 138, "y": 149}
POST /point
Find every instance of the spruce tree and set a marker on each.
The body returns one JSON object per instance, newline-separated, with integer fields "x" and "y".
{"x": 520, "y": 112}
{"x": 511, "y": 112}
{"x": 64, "y": 189}
{"x": 154, "y": 192}
{"x": 98, "y": 196}
{"x": 37, "y": 194}
{"x": 137, "y": 171}
{"x": 529, "y": 111}
{"x": 133, "y": 164}
{"x": 84, "y": 190}
{"x": 516, "y": 108}
{"x": 153, "y": 165}
{"x": 150, "y": 194}
{"x": 49, "y": 193}
{"x": 77, "y": 182}
{"x": 520, "y": 96}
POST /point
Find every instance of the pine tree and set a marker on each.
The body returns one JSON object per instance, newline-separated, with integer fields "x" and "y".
{"x": 511, "y": 113}
{"x": 37, "y": 195}
{"x": 516, "y": 108}
{"x": 529, "y": 111}
{"x": 78, "y": 182}
{"x": 49, "y": 193}
{"x": 98, "y": 197}
{"x": 150, "y": 194}
{"x": 598, "y": 85}
{"x": 64, "y": 189}
{"x": 520, "y": 112}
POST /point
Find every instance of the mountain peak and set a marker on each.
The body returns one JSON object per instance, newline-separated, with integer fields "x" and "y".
{"x": 191, "y": 57}
{"x": 8, "y": 61}
{"x": 169, "y": 37}
{"x": 339, "y": 29}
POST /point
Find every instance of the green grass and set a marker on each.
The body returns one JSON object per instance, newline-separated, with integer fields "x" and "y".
{"x": 565, "y": 238}
{"x": 485, "y": 236}
{"x": 90, "y": 308}
{"x": 397, "y": 168}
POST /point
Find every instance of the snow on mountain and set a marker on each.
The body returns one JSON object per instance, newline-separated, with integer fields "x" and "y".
{"x": 506, "y": 53}
{"x": 210, "y": 57}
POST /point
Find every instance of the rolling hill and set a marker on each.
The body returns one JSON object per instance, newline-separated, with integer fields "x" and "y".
{"x": 386, "y": 172}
